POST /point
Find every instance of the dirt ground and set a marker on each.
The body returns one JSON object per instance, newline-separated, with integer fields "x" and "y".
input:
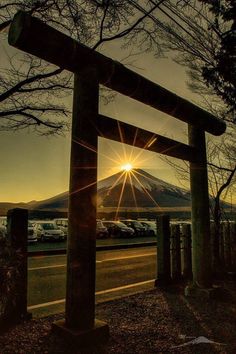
{"x": 156, "y": 321}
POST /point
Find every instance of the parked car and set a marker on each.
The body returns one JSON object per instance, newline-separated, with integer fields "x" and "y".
{"x": 3, "y": 226}
{"x": 62, "y": 223}
{"x": 101, "y": 230}
{"x": 32, "y": 237}
{"x": 118, "y": 229}
{"x": 138, "y": 228}
{"x": 150, "y": 227}
{"x": 48, "y": 230}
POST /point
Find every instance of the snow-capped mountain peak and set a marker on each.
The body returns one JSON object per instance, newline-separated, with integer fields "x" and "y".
{"x": 138, "y": 187}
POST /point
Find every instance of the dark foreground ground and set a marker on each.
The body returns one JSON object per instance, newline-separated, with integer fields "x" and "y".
{"x": 155, "y": 321}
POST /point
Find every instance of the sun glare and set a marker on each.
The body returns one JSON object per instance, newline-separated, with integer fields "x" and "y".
{"x": 127, "y": 167}
{"x": 130, "y": 161}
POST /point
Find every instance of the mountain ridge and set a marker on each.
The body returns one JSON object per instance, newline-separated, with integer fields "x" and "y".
{"x": 133, "y": 189}
{"x": 139, "y": 188}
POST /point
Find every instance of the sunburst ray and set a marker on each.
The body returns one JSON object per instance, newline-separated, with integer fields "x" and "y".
{"x": 145, "y": 190}
{"x": 133, "y": 192}
{"x": 121, "y": 195}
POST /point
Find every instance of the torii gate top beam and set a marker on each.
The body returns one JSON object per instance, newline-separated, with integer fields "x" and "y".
{"x": 35, "y": 37}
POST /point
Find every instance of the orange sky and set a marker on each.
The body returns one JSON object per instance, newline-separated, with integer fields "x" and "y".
{"x": 37, "y": 167}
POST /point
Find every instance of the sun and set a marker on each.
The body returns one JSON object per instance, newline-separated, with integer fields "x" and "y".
{"x": 127, "y": 167}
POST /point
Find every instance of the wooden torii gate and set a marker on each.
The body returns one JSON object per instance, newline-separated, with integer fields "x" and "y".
{"x": 91, "y": 69}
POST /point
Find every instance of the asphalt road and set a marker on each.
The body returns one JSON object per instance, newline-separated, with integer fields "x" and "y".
{"x": 46, "y": 246}
{"x": 119, "y": 272}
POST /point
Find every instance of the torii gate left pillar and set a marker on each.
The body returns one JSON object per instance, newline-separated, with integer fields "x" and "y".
{"x": 80, "y": 324}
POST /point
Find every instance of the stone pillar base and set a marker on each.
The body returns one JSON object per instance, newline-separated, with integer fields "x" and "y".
{"x": 214, "y": 293}
{"x": 27, "y": 316}
{"x": 163, "y": 282}
{"x": 99, "y": 334}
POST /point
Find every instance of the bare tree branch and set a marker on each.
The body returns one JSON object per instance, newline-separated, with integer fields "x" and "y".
{"x": 220, "y": 167}
{"x": 26, "y": 81}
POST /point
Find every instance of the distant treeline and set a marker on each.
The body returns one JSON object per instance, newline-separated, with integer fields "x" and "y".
{"x": 183, "y": 215}
{"x": 128, "y": 214}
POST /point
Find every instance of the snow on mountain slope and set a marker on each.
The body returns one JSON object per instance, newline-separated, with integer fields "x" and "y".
{"x": 139, "y": 188}
{"x": 141, "y": 180}
{"x": 135, "y": 189}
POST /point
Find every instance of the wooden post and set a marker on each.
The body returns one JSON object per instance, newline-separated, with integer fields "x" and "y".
{"x": 163, "y": 251}
{"x": 213, "y": 243}
{"x": 80, "y": 296}
{"x": 201, "y": 243}
{"x": 221, "y": 248}
{"x": 17, "y": 232}
{"x": 227, "y": 246}
{"x": 187, "y": 252}
{"x": 175, "y": 253}
{"x": 81, "y": 243}
{"x": 218, "y": 270}
{"x": 233, "y": 244}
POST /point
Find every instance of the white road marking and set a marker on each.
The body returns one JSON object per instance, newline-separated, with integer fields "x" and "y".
{"x": 47, "y": 267}
{"x": 124, "y": 287}
{"x": 112, "y": 290}
{"x": 127, "y": 257}
{"x": 105, "y": 260}
{"x": 45, "y": 304}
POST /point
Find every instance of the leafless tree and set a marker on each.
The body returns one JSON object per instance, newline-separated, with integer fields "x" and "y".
{"x": 195, "y": 35}
{"x": 33, "y": 92}
{"x": 184, "y": 26}
{"x": 222, "y": 173}
{"x": 222, "y": 182}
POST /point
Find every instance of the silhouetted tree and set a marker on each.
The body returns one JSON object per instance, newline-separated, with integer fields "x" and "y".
{"x": 222, "y": 76}
{"x": 32, "y": 92}
{"x": 221, "y": 180}
{"x": 189, "y": 27}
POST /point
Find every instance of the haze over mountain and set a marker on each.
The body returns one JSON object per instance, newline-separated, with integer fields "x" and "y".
{"x": 136, "y": 188}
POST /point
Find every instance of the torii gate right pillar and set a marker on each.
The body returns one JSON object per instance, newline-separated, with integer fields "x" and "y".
{"x": 201, "y": 243}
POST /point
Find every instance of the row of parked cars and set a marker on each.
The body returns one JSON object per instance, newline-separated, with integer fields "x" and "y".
{"x": 129, "y": 228}
{"x": 40, "y": 230}
{"x": 57, "y": 229}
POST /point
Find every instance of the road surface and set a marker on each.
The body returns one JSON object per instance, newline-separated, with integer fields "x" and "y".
{"x": 119, "y": 272}
{"x": 45, "y": 246}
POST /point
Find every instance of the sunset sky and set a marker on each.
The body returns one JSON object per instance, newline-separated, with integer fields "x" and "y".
{"x": 36, "y": 167}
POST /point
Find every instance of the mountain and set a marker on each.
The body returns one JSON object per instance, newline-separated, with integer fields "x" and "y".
{"x": 126, "y": 190}
{"x": 139, "y": 188}
{"x": 58, "y": 202}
